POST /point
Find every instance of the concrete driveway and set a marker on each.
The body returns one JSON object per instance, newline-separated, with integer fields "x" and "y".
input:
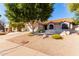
{"x": 12, "y": 49}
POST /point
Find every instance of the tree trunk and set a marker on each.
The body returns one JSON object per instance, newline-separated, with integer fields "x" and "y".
{"x": 18, "y": 29}
{"x": 30, "y": 26}
{"x": 32, "y": 30}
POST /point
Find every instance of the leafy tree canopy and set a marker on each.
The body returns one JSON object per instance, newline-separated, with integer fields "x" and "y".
{"x": 28, "y": 12}
{"x": 74, "y": 7}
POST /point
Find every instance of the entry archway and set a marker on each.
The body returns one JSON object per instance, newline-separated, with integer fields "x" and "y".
{"x": 50, "y": 26}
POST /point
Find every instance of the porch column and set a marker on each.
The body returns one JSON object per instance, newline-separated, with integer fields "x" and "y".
{"x": 71, "y": 26}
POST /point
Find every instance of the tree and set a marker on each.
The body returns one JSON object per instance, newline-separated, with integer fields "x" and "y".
{"x": 38, "y": 12}
{"x": 29, "y": 12}
{"x": 14, "y": 15}
{"x": 76, "y": 22}
{"x": 18, "y": 25}
{"x": 74, "y": 7}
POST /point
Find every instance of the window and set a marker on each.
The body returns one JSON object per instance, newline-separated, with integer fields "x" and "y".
{"x": 64, "y": 26}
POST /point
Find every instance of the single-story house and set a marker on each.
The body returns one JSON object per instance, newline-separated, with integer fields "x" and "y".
{"x": 57, "y": 26}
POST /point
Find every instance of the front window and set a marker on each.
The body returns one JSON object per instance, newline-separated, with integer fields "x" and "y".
{"x": 64, "y": 26}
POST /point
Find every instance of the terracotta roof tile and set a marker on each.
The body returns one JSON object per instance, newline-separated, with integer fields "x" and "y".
{"x": 60, "y": 20}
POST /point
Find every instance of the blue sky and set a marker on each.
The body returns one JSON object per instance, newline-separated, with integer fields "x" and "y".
{"x": 2, "y": 12}
{"x": 60, "y": 11}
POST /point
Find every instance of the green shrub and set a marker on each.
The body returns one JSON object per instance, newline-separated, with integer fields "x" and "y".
{"x": 30, "y": 34}
{"x": 56, "y": 36}
{"x": 40, "y": 30}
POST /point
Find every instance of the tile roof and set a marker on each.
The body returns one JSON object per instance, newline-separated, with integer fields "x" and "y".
{"x": 59, "y": 20}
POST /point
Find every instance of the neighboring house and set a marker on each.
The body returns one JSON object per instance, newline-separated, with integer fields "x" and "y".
{"x": 57, "y": 26}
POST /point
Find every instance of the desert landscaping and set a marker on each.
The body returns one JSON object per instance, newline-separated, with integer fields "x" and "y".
{"x": 36, "y": 45}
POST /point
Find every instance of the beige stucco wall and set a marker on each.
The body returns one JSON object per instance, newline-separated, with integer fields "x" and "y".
{"x": 57, "y": 28}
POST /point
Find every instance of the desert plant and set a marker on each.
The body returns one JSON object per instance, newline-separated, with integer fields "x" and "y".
{"x": 56, "y": 36}
{"x": 30, "y": 34}
{"x": 40, "y": 30}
